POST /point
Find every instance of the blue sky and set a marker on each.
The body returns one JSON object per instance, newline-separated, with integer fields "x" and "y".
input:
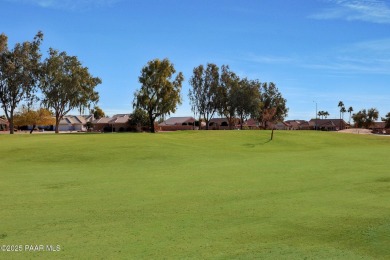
{"x": 314, "y": 50}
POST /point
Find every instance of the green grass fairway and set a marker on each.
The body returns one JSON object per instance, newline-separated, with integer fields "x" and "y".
{"x": 196, "y": 195}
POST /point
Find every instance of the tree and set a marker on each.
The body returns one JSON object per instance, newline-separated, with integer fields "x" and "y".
{"x": 205, "y": 96}
{"x": 271, "y": 98}
{"x": 365, "y": 118}
{"x": 340, "y": 105}
{"x": 19, "y": 70}
{"x": 97, "y": 112}
{"x": 350, "y": 110}
{"x": 66, "y": 84}
{"x": 159, "y": 94}
{"x": 34, "y": 118}
{"x": 360, "y": 118}
{"x": 342, "y": 111}
{"x": 139, "y": 119}
{"x": 372, "y": 116}
{"x": 320, "y": 114}
{"x": 246, "y": 99}
{"x": 387, "y": 120}
{"x": 325, "y": 114}
{"x": 229, "y": 81}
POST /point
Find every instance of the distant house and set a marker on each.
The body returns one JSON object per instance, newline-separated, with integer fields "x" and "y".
{"x": 378, "y": 127}
{"x": 120, "y": 123}
{"x": 298, "y": 124}
{"x": 189, "y": 120}
{"x": 328, "y": 124}
{"x": 280, "y": 126}
{"x": 251, "y": 124}
{"x": 4, "y": 125}
{"x": 177, "y": 123}
{"x": 74, "y": 123}
{"x": 219, "y": 123}
{"x": 116, "y": 123}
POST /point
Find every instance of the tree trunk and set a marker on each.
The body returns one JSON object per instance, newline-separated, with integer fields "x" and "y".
{"x": 11, "y": 126}
{"x": 207, "y": 124}
{"x": 230, "y": 119}
{"x": 152, "y": 130}
{"x": 272, "y": 134}
{"x": 10, "y": 120}
{"x": 32, "y": 129}
{"x": 57, "y": 125}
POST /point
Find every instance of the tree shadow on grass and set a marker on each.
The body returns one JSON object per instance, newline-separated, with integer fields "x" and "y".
{"x": 253, "y": 145}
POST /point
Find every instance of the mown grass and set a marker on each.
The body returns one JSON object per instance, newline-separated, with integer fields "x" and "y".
{"x": 196, "y": 194}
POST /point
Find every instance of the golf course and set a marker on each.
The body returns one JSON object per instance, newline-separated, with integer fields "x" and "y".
{"x": 195, "y": 195}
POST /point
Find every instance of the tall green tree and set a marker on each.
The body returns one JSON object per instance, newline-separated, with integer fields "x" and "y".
{"x": 350, "y": 110}
{"x": 387, "y": 120}
{"x": 365, "y": 118}
{"x": 66, "y": 84}
{"x": 246, "y": 99}
{"x": 229, "y": 82}
{"x": 159, "y": 94}
{"x": 19, "y": 72}
{"x": 342, "y": 108}
{"x": 205, "y": 95}
{"x": 342, "y": 111}
{"x": 271, "y": 99}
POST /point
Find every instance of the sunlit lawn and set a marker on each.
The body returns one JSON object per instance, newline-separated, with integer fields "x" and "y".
{"x": 196, "y": 194}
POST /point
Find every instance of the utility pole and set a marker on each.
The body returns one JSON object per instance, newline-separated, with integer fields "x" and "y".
{"x": 315, "y": 126}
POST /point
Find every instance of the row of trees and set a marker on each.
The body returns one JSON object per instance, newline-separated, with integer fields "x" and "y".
{"x": 213, "y": 91}
{"x": 364, "y": 118}
{"x": 343, "y": 110}
{"x": 223, "y": 92}
{"x": 60, "y": 81}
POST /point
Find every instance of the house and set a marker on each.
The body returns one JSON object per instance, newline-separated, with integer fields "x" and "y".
{"x": 177, "y": 123}
{"x": 101, "y": 124}
{"x": 298, "y": 124}
{"x": 280, "y": 126}
{"x": 222, "y": 123}
{"x": 116, "y": 123}
{"x": 4, "y": 125}
{"x": 378, "y": 127}
{"x": 119, "y": 123}
{"x": 251, "y": 124}
{"x": 74, "y": 123}
{"x": 328, "y": 124}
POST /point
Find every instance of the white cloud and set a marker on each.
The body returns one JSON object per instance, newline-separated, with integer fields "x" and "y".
{"x": 368, "y": 57}
{"x": 375, "y": 11}
{"x": 267, "y": 59}
{"x": 67, "y": 4}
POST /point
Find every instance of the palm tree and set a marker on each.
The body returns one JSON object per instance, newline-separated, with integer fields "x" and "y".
{"x": 320, "y": 113}
{"x": 350, "y": 110}
{"x": 342, "y": 110}
{"x": 325, "y": 114}
{"x": 340, "y": 105}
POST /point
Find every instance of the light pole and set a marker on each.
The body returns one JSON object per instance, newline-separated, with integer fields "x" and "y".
{"x": 315, "y": 126}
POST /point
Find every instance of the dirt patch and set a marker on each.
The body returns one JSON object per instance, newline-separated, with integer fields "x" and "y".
{"x": 359, "y": 131}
